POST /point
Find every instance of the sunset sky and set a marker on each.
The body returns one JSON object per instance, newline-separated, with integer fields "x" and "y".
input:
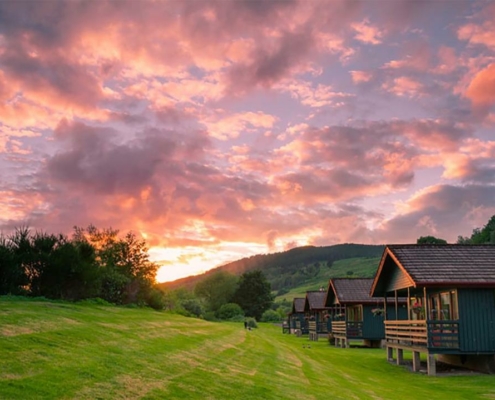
{"x": 223, "y": 129}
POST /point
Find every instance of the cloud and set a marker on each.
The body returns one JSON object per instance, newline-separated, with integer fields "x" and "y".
{"x": 367, "y": 33}
{"x": 481, "y": 90}
{"x": 442, "y": 210}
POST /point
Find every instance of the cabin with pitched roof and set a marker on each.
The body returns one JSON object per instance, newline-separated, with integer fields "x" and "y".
{"x": 451, "y": 303}
{"x": 296, "y": 321}
{"x": 316, "y": 314}
{"x": 355, "y": 314}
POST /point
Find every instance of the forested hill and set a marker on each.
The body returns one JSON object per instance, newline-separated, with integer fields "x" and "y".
{"x": 290, "y": 268}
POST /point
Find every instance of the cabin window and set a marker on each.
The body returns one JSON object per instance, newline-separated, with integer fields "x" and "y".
{"x": 355, "y": 313}
{"x": 443, "y": 306}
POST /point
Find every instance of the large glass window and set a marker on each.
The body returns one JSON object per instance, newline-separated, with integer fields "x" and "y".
{"x": 355, "y": 313}
{"x": 443, "y": 306}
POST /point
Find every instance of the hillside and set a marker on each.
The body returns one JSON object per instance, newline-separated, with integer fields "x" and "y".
{"x": 309, "y": 266}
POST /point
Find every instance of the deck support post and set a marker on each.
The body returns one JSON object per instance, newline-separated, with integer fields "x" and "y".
{"x": 416, "y": 361}
{"x": 400, "y": 356}
{"x": 390, "y": 353}
{"x": 432, "y": 365}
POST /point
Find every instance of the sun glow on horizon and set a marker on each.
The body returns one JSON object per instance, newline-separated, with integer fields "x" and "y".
{"x": 177, "y": 263}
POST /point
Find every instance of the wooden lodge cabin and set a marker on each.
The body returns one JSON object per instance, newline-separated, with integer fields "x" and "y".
{"x": 451, "y": 303}
{"x": 296, "y": 321}
{"x": 315, "y": 312}
{"x": 354, "y": 314}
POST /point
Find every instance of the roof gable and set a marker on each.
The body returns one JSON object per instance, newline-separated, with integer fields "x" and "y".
{"x": 298, "y": 305}
{"x": 349, "y": 290}
{"x": 435, "y": 265}
{"x": 315, "y": 300}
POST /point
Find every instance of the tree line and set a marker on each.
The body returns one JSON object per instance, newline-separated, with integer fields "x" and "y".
{"x": 101, "y": 264}
{"x": 485, "y": 235}
{"x": 92, "y": 263}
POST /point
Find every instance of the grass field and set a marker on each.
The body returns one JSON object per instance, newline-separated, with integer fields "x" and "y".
{"x": 66, "y": 351}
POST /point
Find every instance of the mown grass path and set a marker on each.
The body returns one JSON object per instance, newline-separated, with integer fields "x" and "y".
{"x": 66, "y": 351}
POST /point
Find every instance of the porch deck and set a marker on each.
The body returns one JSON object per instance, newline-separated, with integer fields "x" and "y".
{"x": 343, "y": 331}
{"x": 421, "y": 336}
{"x": 317, "y": 330}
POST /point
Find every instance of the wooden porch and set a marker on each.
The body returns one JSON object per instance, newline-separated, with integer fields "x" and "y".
{"x": 343, "y": 331}
{"x": 317, "y": 330}
{"x": 421, "y": 336}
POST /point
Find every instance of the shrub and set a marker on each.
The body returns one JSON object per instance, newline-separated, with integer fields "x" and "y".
{"x": 229, "y": 311}
{"x": 251, "y": 323}
{"x": 155, "y": 299}
{"x": 237, "y": 318}
{"x": 270, "y": 316}
{"x": 192, "y": 306}
{"x": 210, "y": 316}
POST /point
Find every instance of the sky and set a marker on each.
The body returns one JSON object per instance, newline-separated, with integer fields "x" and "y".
{"x": 217, "y": 130}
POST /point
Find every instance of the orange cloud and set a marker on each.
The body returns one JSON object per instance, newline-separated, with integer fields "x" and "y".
{"x": 481, "y": 90}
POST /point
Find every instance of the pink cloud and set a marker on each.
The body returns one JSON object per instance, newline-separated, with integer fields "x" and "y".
{"x": 367, "y": 33}
{"x": 361, "y": 76}
{"x": 481, "y": 90}
{"x": 404, "y": 86}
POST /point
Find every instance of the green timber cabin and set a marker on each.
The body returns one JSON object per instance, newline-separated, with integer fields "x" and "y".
{"x": 355, "y": 315}
{"x": 297, "y": 322}
{"x": 451, "y": 303}
{"x": 315, "y": 313}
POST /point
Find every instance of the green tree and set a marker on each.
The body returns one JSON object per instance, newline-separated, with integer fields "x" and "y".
{"x": 229, "y": 310}
{"x": 485, "y": 235}
{"x": 253, "y": 294}
{"x": 216, "y": 289}
{"x": 127, "y": 274}
{"x": 430, "y": 240}
{"x": 12, "y": 276}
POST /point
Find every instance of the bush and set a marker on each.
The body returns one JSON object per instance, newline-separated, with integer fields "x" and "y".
{"x": 210, "y": 316}
{"x": 251, "y": 323}
{"x": 155, "y": 299}
{"x": 229, "y": 311}
{"x": 270, "y": 316}
{"x": 237, "y": 318}
{"x": 192, "y": 306}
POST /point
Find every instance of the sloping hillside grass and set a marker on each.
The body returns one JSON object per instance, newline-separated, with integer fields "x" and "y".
{"x": 66, "y": 351}
{"x": 363, "y": 267}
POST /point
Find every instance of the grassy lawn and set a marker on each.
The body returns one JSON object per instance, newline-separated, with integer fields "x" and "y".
{"x": 67, "y": 351}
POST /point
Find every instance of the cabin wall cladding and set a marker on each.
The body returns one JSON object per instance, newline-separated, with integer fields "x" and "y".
{"x": 373, "y": 327}
{"x": 398, "y": 280}
{"x": 477, "y": 316}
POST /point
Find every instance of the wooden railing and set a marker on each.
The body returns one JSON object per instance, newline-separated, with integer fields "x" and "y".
{"x": 338, "y": 328}
{"x": 421, "y": 333}
{"x": 443, "y": 334}
{"x": 320, "y": 327}
{"x": 348, "y": 329}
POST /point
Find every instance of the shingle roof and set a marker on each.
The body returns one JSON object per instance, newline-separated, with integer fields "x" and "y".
{"x": 447, "y": 264}
{"x": 352, "y": 290}
{"x": 315, "y": 300}
{"x": 298, "y": 305}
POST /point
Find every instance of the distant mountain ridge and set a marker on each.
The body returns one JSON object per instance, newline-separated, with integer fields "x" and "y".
{"x": 288, "y": 269}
